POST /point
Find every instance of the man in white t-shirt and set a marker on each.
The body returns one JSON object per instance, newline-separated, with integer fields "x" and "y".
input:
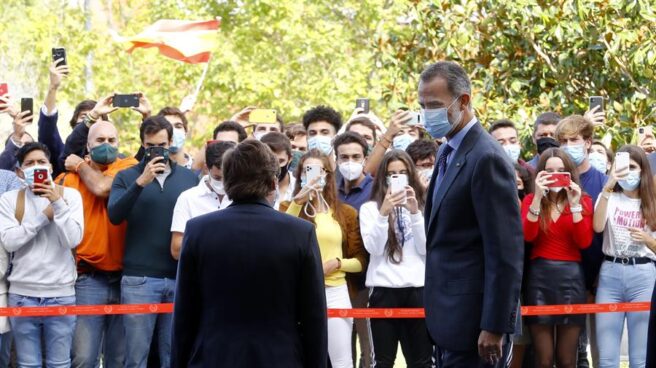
{"x": 204, "y": 198}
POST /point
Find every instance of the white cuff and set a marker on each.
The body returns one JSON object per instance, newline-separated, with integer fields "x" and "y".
{"x": 44, "y": 111}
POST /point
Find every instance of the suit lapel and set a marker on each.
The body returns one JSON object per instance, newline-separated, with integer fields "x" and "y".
{"x": 452, "y": 171}
{"x": 431, "y": 191}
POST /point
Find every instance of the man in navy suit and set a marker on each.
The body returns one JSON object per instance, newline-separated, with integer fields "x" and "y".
{"x": 474, "y": 232}
{"x": 250, "y": 287}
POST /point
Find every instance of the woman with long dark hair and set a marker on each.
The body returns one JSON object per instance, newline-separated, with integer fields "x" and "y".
{"x": 392, "y": 227}
{"x": 558, "y": 221}
{"x": 626, "y": 214}
{"x": 338, "y": 234}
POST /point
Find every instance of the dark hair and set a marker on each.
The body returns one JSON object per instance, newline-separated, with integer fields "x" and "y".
{"x": 29, "y": 147}
{"x": 215, "y": 151}
{"x": 168, "y": 110}
{"x": 503, "y": 123}
{"x": 294, "y": 130}
{"x": 277, "y": 142}
{"x": 456, "y": 77}
{"x": 547, "y": 205}
{"x": 231, "y": 126}
{"x": 329, "y": 190}
{"x": 609, "y": 152}
{"x": 646, "y": 189}
{"x": 350, "y": 137}
{"x": 86, "y": 105}
{"x": 526, "y": 177}
{"x": 364, "y": 121}
{"x": 422, "y": 149}
{"x": 322, "y": 113}
{"x": 249, "y": 171}
{"x": 546, "y": 118}
{"x": 379, "y": 191}
{"x": 153, "y": 125}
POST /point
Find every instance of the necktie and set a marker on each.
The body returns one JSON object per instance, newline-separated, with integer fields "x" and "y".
{"x": 441, "y": 162}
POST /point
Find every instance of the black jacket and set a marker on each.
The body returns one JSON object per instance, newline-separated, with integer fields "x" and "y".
{"x": 250, "y": 292}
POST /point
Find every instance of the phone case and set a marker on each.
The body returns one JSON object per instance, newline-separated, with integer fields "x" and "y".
{"x": 311, "y": 172}
{"x": 561, "y": 180}
{"x": 27, "y": 104}
{"x": 262, "y": 116}
{"x": 622, "y": 161}
{"x": 4, "y": 89}
{"x": 40, "y": 176}
{"x": 398, "y": 183}
{"x": 131, "y": 100}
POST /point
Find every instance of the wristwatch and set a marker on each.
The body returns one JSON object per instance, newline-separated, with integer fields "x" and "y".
{"x": 339, "y": 263}
{"x": 534, "y": 212}
{"x": 576, "y": 209}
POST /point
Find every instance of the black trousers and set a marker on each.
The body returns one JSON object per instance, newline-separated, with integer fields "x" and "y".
{"x": 651, "y": 342}
{"x": 386, "y": 333}
{"x": 471, "y": 359}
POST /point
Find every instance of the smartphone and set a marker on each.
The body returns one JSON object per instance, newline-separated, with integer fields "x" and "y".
{"x": 597, "y": 101}
{"x": 398, "y": 182}
{"x": 560, "y": 180}
{"x": 416, "y": 119}
{"x": 40, "y": 176}
{"x": 312, "y": 172}
{"x": 127, "y": 100}
{"x": 4, "y": 89}
{"x": 27, "y": 104}
{"x": 59, "y": 53}
{"x": 262, "y": 116}
{"x": 644, "y": 133}
{"x": 362, "y": 103}
{"x": 621, "y": 161}
{"x": 212, "y": 141}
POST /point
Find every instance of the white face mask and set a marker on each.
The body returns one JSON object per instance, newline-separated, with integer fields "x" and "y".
{"x": 217, "y": 185}
{"x": 259, "y": 134}
{"x": 556, "y": 189}
{"x": 351, "y": 170}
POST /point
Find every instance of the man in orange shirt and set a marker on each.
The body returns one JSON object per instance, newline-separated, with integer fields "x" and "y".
{"x": 100, "y": 254}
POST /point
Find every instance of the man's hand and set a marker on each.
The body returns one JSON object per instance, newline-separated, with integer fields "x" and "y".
{"x": 57, "y": 73}
{"x": 144, "y": 107}
{"x": 596, "y": 116}
{"x": 46, "y": 190}
{"x": 7, "y": 106}
{"x": 151, "y": 171}
{"x": 103, "y": 107}
{"x": 188, "y": 103}
{"x": 242, "y": 116}
{"x": 20, "y": 122}
{"x": 399, "y": 120}
{"x": 490, "y": 347}
{"x": 72, "y": 161}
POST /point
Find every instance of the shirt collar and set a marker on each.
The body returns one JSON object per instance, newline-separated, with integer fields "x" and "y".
{"x": 367, "y": 179}
{"x": 456, "y": 140}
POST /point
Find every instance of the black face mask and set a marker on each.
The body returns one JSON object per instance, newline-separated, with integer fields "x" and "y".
{"x": 283, "y": 172}
{"x": 521, "y": 194}
{"x": 546, "y": 143}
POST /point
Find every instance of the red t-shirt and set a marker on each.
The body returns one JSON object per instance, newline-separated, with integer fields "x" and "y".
{"x": 563, "y": 239}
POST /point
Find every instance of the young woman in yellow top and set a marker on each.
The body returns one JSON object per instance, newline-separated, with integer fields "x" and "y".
{"x": 340, "y": 243}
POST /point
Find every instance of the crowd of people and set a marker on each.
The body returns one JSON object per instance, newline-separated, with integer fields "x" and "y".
{"x": 108, "y": 227}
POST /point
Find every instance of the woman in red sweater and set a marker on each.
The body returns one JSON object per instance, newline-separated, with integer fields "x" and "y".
{"x": 558, "y": 221}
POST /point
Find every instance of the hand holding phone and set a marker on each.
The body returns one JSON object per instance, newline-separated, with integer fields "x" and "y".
{"x": 596, "y": 101}
{"x": 622, "y": 163}
{"x": 4, "y": 89}
{"x": 362, "y": 103}
{"x": 59, "y": 53}
{"x": 312, "y": 172}
{"x": 262, "y": 116}
{"x": 27, "y": 104}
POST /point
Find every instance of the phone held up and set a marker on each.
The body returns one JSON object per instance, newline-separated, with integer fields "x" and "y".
{"x": 362, "y": 103}
{"x": 126, "y": 100}
{"x": 27, "y": 104}
{"x": 59, "y": 53}
{"x": 4, "y": 89}
{"x": 560, "y": 180}
{"x": 398, "y": 182}
{"x": 597, "y": 101}
{"x": 622, "y": 161}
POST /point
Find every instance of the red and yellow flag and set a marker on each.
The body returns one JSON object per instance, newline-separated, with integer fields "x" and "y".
{"x": 188, "y": 41}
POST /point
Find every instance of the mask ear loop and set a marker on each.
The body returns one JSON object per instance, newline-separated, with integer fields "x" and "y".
{"x": 309, "y": 205}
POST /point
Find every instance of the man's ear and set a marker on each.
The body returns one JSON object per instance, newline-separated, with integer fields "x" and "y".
{"x": 465, "y": 101}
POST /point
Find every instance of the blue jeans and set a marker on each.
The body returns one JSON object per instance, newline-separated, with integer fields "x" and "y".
{"x": 5, "y": 349}
{"x": 98, "y": 334}
{"x": 57, "y": 333}
{"x": 139, "y": 328}
{"x": 620, "y": 283}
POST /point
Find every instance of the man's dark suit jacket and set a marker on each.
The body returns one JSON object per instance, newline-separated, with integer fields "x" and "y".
{"x": 475, "y": 245}
{"x": 250, "y": 292}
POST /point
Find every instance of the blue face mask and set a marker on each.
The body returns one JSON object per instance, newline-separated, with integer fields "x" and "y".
{"x": 436, "y": 121}
{"x": 513, "y": 151}
{"x": 322, "y": 143}
{"x": 576, "y": 152}
{"x": 28, "y": 172}
{"x": 179, "y": 137}
{"x": 402, "y": 142}
{"x": 632, "y": 181}
{"x": 599, "y": 161}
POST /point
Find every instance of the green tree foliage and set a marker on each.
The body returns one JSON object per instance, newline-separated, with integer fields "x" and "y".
{"x": 524, "y": 56}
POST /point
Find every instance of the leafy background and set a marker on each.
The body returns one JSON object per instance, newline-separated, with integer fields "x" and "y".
{"x": 524, "y": 57}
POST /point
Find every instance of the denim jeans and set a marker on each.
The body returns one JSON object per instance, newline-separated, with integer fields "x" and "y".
{"x": 139, "y": 328}
{"x": 620, "y": 283}
{"x": 57, "y": 333}
{"x": 98, "y": 334}
{"x": 5, "y": 349}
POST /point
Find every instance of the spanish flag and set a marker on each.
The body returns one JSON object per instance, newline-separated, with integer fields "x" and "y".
{"x": 188, "y": 41}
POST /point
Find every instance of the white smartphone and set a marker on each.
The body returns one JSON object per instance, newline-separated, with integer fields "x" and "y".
{"x": 312, "y": 172}
{"x": 398, "y": 182}
{"x": 621, "y": 161}
{"x": 416, "y": 119}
